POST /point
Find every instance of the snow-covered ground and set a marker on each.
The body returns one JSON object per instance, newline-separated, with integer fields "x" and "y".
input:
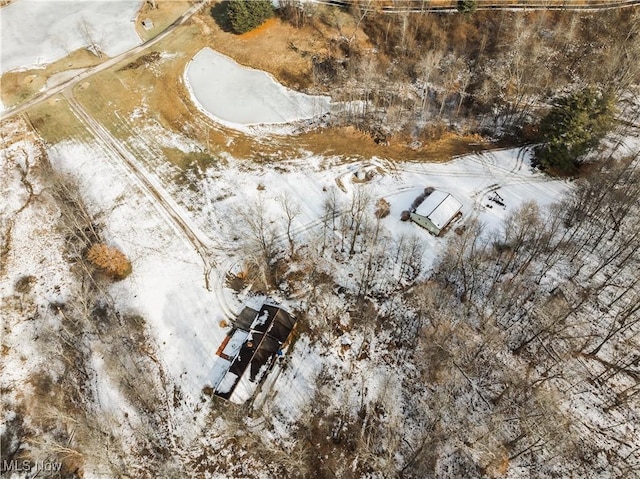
{"x": 39, "y": 264}
{"x": 240, "y": 97}
{"x": 308, "y": 182}
{"x": 37, "y": 32}
{"x": 217, "y": 196}
{"x": 473, "y": 180}
{"x": 167, "y": 285}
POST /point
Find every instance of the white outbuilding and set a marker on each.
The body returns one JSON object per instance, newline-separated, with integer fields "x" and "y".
{"x": 436, "y": 211}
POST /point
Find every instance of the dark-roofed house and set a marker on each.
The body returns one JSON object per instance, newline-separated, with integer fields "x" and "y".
{"x": 251, "y": 349}
{"x": 436, "y": 211}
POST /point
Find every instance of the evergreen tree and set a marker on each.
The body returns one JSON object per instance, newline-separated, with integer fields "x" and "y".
{"x": 574, "y": 126}
{"x": 467, "y": 6}
{"x": 245, "y": 15}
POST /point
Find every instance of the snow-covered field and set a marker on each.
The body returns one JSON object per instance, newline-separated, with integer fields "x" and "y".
{"x": 167, "y": 284}
{"x": 240, "y": 97}
{"x": 37, "y": 32}
{"x": 172, "y": 294}
{"x": 472, "y": 180}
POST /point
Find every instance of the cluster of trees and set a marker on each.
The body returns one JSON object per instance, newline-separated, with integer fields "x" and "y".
{"x": 490, "y": 72}
{"x": 493, "y": 73}
{"x": 245, "y": 15}
{"x": 528, "y": 313}
{"x": 350, "y": 234}
{"x": 575, "y": 126}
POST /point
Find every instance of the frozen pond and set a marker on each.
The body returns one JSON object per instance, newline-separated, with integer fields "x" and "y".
{"x": 37, "y": 32}
{"x": 238, "y": 96}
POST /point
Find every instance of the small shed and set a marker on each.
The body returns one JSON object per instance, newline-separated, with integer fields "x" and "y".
{"x": 251, "y": 349}
{"x": 436, "y": 211}
{"x": 147, "y": 24}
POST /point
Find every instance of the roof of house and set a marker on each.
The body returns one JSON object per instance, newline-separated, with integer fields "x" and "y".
{"x": 251, "y": 348}
{"x": 439, "y": 207}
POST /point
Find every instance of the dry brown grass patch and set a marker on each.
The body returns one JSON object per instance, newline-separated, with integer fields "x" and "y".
{"x": 19, "y": 86}
{"x": 54, "y": 121}
{"x": 275, "y": 47}
{"x": 109, "y": 260}
{"x": 165, "y": 14}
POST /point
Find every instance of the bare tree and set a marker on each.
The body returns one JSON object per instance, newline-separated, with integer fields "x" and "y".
{"x": 361, "y": 201}
{"x": 90, "y": 37}
{"x": 427, "y": 67}
{"x": 291, "y": 210}
{"x": 260, "y": 238}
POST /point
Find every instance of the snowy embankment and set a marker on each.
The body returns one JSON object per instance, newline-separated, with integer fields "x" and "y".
{"x": 241, "y": 97}
{"x": 36, "y": 32}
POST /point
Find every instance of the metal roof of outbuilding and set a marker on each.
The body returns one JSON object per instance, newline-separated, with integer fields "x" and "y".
{"x": 440, "y": 208}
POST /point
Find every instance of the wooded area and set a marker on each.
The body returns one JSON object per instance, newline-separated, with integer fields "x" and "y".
{"x": 496, "y": 73}
{"x": 510, "y": 326}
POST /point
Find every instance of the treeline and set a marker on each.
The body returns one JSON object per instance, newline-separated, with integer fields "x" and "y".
{"x": 491, "y": 72}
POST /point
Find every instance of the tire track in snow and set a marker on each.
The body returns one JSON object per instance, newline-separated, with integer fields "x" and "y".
{"x": 522, "y": 153}
{"x": 486, "y": 159}
{"x": 489, "y": 164}
{"x": 228, "y": 310}
{"x": 161, "y": 199}
{"x": 146, "y": 184}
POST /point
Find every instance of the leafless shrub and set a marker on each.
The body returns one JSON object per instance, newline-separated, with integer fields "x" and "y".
{"x": 109, "y": 260}
{"x": 76, "y": 221}
{"x": 383, "y": 208}
{"x": 24, "y": 284}
{"x": 418, "y": 201}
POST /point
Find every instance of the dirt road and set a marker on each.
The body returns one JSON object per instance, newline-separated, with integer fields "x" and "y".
{"x": 45, "y": 95}
{"x": 420, "y": 6}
